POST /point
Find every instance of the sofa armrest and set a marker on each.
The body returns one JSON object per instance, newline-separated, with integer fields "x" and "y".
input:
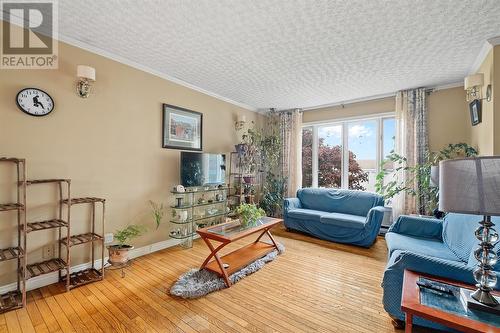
{"x": 290, "y": 203}
{"x": 453, "y": 270}
{"x": 375, "y": 216}
{"x": 418, "y": 227}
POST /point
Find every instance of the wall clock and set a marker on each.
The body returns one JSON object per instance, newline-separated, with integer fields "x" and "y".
{"x": 34, "y": 102}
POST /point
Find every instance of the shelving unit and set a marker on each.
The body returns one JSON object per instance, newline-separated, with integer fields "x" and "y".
{"x": 198, "y": 208}
{"x": 57, "y": 264}
{"x": 244, "y": 186}
{"x": 16, "y": 299}
{"x": 92, "y": 274}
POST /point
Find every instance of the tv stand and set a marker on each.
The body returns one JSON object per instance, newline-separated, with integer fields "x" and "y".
{"x": 196, "y": 208}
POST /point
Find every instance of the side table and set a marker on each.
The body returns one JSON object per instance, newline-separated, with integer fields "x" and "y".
{"x": 442, "y": 308}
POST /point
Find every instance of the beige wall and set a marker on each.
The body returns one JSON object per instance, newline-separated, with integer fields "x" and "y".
{"x": 482, "y": 134}
{"x": 448, "y": 120}
{"x": 108, "y": 144}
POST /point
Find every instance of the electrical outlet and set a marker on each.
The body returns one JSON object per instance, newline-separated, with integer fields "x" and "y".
{"x": 108, "y": 238}
{"x": 48, "y": 251}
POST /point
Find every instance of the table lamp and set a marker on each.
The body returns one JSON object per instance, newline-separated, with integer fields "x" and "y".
{"x": 472, "y": 186}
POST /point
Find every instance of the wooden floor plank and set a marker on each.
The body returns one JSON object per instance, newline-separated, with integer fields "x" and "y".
{"x": 315, "y": 286}
{"x": 12, "y": 322}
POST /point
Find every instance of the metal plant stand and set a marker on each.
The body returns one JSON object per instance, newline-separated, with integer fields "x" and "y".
{"x": 16, "y": 299}
{"x": 118, "y": 266}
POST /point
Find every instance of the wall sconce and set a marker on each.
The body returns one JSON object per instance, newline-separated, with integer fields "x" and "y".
{"x": 240, "y": 122}
{"x": 473, "y": 85}
{"x": 86, "y": 75}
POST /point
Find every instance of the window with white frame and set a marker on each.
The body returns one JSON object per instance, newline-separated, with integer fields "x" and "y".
{"x": 347, "y": 153}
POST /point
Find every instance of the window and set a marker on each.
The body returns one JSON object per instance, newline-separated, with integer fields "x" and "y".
{"x": 347, "y": 154}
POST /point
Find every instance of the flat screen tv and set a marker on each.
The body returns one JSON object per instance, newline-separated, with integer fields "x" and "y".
{"x": 198, "y": 169}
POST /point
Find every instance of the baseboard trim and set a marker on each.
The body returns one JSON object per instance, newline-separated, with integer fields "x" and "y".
{"x": 51, "y": 278}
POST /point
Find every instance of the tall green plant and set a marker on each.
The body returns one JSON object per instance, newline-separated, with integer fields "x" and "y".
{"x": 263, "y": 153}
{"x": 157, "y": 211}
{"x": 417, "y": 181}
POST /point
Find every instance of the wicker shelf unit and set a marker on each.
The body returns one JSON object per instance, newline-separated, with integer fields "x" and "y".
{"x": 16, "y": 299}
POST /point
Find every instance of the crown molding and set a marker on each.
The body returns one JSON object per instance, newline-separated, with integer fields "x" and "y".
{"x": 483, "y": 53}
{"x": 448, "y": 86}
{"x": 350, "y": 101}
{"x": 98, "y": 51}
{"x": 87, "y": 47}
{"x": 381, "y": 96}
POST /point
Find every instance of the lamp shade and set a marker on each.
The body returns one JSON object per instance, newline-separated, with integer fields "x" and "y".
{"x": 473, "y": 80}
{"x": 470, "y": 185}
{"x": 85, "y": 72}
{"x": 434, "y": 176}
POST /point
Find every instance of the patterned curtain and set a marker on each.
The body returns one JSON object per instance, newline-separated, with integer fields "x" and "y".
{"x": 411, "y": 142}
{"x": 291, "y": 136}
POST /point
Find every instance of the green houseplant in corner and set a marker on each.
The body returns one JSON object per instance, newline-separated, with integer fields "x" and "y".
{"x": 119, "y": 253}
{"x": 418, "y": 177}
{"x": 249, "y": 214}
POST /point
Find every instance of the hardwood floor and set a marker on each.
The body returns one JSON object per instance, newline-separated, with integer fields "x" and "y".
{"x": 316, "y": 286}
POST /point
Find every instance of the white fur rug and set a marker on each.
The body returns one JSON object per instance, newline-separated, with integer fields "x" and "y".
{"x": 196, "y": 283}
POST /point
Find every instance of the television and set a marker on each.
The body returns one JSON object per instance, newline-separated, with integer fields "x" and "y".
{"x": 198, "y": 169}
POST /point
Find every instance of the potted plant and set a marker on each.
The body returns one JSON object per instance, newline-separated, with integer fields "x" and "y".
{"x": 249, "y": 214}
{"x": 119, "y": 253}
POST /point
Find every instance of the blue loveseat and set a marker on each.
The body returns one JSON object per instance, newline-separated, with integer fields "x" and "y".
{"x": 442, "y": 248}
{"x": 337, "y": 215}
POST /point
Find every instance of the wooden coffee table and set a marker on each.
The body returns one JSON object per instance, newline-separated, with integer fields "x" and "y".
{"x": 229, "y": 232}
{"x": 443, "y": 309}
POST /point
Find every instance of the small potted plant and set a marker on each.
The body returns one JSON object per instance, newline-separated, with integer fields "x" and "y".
{"x": 249, "y": 214}
{"x": 119, "y": 253}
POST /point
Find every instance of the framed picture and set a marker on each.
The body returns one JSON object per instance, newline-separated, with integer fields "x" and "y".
{"x": 182, "y": 128}
{"x": 475, "y": 112}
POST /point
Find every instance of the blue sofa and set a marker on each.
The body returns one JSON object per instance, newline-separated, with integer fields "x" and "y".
{"x": 344, "y": 216}
{"x": 438, "y": 247}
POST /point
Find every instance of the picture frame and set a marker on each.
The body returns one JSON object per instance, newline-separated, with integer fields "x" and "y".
{"x": 475, "y": 112}
{"x": 182, "y": 128}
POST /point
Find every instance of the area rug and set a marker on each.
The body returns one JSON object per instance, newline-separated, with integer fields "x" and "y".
{"x": 197, "y": 283}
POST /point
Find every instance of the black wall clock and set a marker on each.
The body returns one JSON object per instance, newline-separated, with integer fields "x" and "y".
{"x": 34, "y": 102}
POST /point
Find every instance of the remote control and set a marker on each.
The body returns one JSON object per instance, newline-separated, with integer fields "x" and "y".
{"x": 435, "y": 287}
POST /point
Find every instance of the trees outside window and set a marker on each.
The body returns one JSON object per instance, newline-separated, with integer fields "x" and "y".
{"x": 365, "y": 142}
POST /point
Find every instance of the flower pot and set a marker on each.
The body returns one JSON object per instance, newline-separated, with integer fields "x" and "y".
{"x": 240, "y": 148}
{"x": 119, "y": 254}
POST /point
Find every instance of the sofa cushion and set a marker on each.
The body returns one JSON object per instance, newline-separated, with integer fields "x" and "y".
{"x": 306, "y": 214}
{"x": 339, "y": 200}
{"x": 458, "y": 233}
{"x": 428, "y": 246}
{"x": 344, "y": 220}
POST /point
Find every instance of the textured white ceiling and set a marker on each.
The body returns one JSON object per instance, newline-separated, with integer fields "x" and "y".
{"x": 290, "y": 53}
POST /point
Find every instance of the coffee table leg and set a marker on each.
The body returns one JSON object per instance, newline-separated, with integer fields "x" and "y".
{"x": 214, "y": 253}
{"x": 409, "y": 323}
{"x": 268, "y": 233}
